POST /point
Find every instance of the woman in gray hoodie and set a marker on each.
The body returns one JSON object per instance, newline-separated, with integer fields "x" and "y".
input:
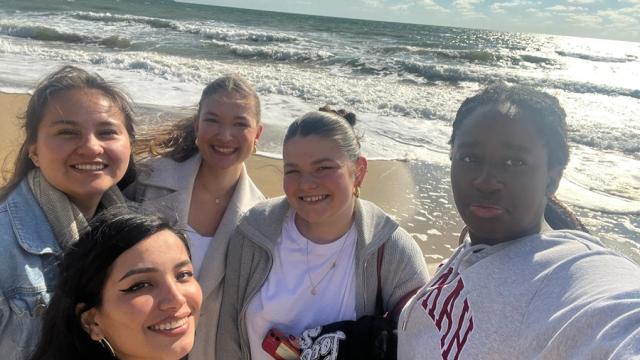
{"x": 514, "y": 290}
{"x": 310, "y": 258}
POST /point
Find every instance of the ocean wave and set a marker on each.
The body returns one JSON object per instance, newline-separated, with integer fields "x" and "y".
{"x": 108, "y": 17}
{"x": 43, "y": 33}
{"x": 456, "y": 74}
{"x": 235, "y": 34}
{"x": 277, "y": 53}
{"x": 606, "y": 141}
{"x": 596, "y": 58}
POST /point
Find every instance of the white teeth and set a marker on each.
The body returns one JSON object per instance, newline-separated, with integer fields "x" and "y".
{"x": 89, "y": 167}
{"x": 170, "y": 325}
{"x": 224, "y": 150}
{"x": 313, "y": 198}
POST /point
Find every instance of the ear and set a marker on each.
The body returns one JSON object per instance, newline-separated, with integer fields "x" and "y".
{"x": 553, "y": 179}
{"x": 360, "y": 170}
{"x": 32, "y": 152}
{"x": 88, "y": 321}
{"x": 259, "y": 129}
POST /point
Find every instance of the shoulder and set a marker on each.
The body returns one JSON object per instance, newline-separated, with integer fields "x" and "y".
{"x": 266, "y": 212}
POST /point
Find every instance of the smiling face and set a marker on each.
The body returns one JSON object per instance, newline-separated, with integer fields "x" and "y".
{"x": 82, "y": 146}
{"x": 319, "y": 181}
{"x": 150, "y": 301}
{"x": 500, "y": 176}
{"x": 227, "y": 130}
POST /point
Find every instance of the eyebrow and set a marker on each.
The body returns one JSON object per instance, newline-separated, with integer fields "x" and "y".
{"x": 211, "y": 113}
{"x": 313, "y": 162}
{"x": 146, "y": 270}
{"x": 63, "y": 121}
{"x": 508, "y": 145}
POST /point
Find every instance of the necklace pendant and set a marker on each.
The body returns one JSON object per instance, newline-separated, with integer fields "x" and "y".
{"x": 313, "y": 291}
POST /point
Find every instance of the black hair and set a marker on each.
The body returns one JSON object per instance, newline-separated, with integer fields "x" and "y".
{"x": 64, "y": 79}
{"x": 83, "y": 272}
{"x": 547, "y": 116}
{"x": 331, "y": 124}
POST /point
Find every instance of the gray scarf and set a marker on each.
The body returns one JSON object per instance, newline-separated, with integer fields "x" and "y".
{"x": 66, "y": 220}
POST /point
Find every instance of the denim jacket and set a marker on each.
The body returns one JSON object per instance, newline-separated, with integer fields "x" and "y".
{"x": 28, "y": 271}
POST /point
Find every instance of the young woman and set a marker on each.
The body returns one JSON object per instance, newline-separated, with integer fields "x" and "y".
{"x": 126, "y": 291}
{"x": 77, "y": 148}
{"x": 310, "y": 259}
{"x": 513, "y": 290}
{"x": 201, "y": 179}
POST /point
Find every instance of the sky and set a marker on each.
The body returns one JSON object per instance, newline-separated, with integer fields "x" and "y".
{"x": 608, "y": 19}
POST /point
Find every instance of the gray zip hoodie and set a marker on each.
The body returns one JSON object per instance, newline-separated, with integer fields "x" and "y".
{"x": 560, "y": 295}
{"x": 250, "y": 258}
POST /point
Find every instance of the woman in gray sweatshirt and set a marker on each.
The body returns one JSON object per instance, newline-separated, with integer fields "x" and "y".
{"x": 310, "y": 258}
{"x": 513, "y": 290}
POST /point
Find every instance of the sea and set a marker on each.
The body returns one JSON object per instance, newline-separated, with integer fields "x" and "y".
{"x": 404, "y": 81}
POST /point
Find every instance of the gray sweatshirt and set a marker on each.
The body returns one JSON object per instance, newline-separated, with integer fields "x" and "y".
{"x": 250, "y": 257}
{"x": 560, "y": 295}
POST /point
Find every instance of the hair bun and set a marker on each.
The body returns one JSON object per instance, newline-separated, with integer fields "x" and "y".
{"x": 347, "y": 115}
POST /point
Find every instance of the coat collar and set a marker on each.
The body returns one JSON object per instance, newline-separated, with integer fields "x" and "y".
{"x": 245, "y": 195}
{"x": 264, "y": 224}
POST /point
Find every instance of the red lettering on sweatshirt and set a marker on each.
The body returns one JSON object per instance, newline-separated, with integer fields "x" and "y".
{"x": 454, "y": 329}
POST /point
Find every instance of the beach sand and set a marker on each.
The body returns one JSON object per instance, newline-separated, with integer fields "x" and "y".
{"x": 408, "y": 191}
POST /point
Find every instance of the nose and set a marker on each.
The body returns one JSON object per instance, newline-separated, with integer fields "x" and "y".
{"x": 91, "y": 146}
{"x": 308, "y": 181}
{"x": 487, "y": 180}
{"x": 172, "y": 297}
{"x": 224, "y": 132}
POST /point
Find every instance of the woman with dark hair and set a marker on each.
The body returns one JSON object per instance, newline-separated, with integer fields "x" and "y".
{"x": 513, "y": 289}
{"x": 77, "y": 151}
{"x": 319, "y": 255}
{"x": 200, "y": 178}
{"x": 126, "y": 291}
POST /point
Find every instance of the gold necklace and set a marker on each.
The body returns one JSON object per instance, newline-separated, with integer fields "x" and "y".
{"x": 312, "y": 290}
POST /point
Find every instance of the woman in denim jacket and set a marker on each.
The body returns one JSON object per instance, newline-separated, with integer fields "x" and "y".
{"x": 77, "y": 148}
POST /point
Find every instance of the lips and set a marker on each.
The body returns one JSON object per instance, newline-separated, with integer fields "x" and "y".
{"x": 313, "y": 198}
{"x": 172, "y": 327}
{"x": 486, "y": 211}
{"x": 224, "y": 150}
{"x": 94, "y": 166}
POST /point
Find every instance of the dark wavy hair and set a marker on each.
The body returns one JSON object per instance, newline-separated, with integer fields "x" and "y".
{"x": 83, "y": 272}
{"x": 547, "y": 116}
{"x": 64, "y": 79}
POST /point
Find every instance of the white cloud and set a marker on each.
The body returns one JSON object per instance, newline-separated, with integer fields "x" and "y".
{"x": 565, "y": 9}
{"x": 581, "y": 2}
{"x": 467, "y": 7}
{"x": 502, "y": 7}
{"x": 374, "y": 3}
{"x": 431, "y": 5}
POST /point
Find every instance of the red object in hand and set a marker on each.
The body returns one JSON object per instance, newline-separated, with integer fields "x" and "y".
{"x": 278, "y": 345}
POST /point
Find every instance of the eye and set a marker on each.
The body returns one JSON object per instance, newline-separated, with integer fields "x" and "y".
{"x": 108, "y": 133}
{"x": 291, "y": 172}
{"x": 241, "y": 125}
{"x": 67, "y": 132}
{"x": 184, "y": 275}
{"x": 210, "y": 120}
{"x": 137, "y": 287}
{"x": 467, "y": 158}
{"x": 514, "y": 163}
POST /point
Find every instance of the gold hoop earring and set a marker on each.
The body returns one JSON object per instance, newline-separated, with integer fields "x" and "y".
{"x": 356, "y": 192}
{"x": 255, "y": 147}
{"x": 105, "y": 344}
